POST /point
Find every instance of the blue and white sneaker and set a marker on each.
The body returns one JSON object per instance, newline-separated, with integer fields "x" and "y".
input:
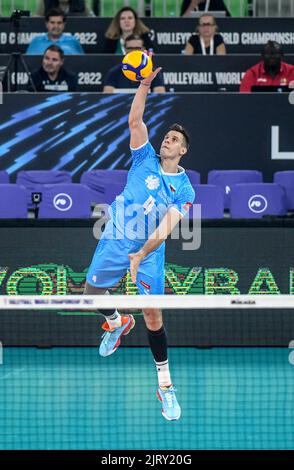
{"x": 171, "y": 410}
{"x": 111, "y": 338}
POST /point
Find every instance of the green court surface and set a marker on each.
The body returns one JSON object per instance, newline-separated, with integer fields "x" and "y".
{"x": 70, "y": 398}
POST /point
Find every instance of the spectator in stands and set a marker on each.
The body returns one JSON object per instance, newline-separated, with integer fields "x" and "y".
{"x": 125, "y": 23}
{"x": 55, "y": 24}
{"x": 68, "y": 7}
{"x": 96, "y": 7}
{"x": 206, "y": 40}
{"x": 188, "y": 6}
{"x": 271, "y": 71}
{"x": 52, "y": 76}
{"x": 115, "y": 79}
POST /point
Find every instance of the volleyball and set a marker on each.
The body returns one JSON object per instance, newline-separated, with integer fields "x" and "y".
{"x": 136, "y": 65}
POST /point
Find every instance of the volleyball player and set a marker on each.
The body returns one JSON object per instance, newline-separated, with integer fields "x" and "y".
{"x": 159, "y": 192}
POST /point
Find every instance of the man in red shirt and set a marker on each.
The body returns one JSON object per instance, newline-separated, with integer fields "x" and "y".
{"x": 271, "y": 71}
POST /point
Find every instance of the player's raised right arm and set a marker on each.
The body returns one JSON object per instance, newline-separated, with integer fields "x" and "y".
{"x": 138, "y": 129}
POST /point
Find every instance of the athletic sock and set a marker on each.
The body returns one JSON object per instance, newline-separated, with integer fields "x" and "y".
{"x": 158, "y": 344}
{"x": 114, "y": 320}
{"x": 164, "y": 380}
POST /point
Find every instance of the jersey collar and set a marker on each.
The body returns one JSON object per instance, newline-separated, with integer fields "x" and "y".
{"x": 182, "y": 170}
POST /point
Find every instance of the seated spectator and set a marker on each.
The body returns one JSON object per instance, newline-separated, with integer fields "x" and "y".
{"x": 271, "y": 71}
{"x": 96, "y": 7}
{"x": 68, "y": 7}
{"x": 188, "y": 6}
{"x": 55, "y": 24}
{"x": 116, "y": 81}
{"x": 206, "y": 40}
{"x": 125, "y": 23}
{"x": 52, "y": 76}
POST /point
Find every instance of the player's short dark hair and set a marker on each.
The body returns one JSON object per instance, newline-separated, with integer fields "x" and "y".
{"x": 55, "y": 48}
{"x": 182, "y": 130}
{"x": 55, "y": 12}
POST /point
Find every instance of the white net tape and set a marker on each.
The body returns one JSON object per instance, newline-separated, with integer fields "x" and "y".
{"x": 94, "y": 302}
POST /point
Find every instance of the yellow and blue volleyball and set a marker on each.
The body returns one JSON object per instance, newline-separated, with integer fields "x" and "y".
{"x": 136, "y": 65}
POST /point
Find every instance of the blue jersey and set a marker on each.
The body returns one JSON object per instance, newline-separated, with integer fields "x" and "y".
{"x": 68, "y": 43}
{"x": 148, "y": 195}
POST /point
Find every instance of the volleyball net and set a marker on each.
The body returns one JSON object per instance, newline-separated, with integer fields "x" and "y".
{"x": 190, "y": 320}
{"x": 71, "y": 398}
{"x": 139, "y": 302}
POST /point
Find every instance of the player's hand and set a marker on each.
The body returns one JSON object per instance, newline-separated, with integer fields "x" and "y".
{"x": 149, "y": 52}
{"x": 147, "y": 81}
{"x": 135, "y": 260}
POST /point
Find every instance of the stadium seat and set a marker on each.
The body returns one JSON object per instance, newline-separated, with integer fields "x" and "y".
{"x": 237, "y": 7}
{"x": 254, "y": 200}
{"x": 13, "y": 202}
{"x": 269, "y": 8}
{"x": 211, "y": 199}
{"x": 4, "y": 177}
{"x": 286, "y": 180}
{"x": 65, "y": 201}
{"x": 95, "y": 176}
{"x": 110, "y": 193}
{"x": 100, "y": 183}
{"x": 193, "y": 176}
{"x": 34, "y": 180}
{"x": 225, "y": 178}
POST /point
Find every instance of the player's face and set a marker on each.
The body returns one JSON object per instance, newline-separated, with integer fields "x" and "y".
{"x": 172, "y": 145}
{"x": 52, "y": 62}
{"x": 55, "y": 26}
{"x": 127, "y": 21}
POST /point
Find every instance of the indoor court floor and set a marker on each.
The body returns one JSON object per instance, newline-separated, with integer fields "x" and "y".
{"x": 70, "y": 398}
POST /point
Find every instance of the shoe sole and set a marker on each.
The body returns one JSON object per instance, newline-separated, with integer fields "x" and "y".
{"x": 124, "y": 333}
{"x": 162, "y": 412}
{"x": 130, "y": 326}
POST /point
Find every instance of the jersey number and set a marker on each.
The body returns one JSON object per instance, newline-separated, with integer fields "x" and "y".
{"x": 148, "y": 204}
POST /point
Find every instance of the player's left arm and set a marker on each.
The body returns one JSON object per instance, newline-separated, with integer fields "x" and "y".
{"x": 166, "y": 226}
